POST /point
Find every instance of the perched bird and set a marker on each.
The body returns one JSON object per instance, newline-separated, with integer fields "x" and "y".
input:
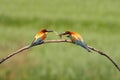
{"x": 40, "y": 36}
{"x": 76, "y": 39}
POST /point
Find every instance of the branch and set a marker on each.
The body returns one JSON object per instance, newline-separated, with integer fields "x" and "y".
{"x": 58, "y": 41}
{"x": 12, "y": 54}
{"x": 29, "y": 46}
{"x": 105, "y": 55}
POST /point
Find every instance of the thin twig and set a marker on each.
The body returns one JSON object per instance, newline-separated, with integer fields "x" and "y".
{"x": 12, "y": 54}
{"x": 104, "y": 54}
{"x": 29, "y": 46}
{"x": 58, "y": 41}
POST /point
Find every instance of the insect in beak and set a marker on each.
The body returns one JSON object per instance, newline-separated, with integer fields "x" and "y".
{"x": 60, "y": 35}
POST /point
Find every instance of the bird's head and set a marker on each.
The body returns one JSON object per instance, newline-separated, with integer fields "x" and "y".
{"x": 66, "y": 33}
{"x": 46, "y": 31}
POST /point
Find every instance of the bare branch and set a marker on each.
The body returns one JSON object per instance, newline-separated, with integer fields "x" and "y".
{"x": 16, "y": 52}
{"x": 58, "y": 41}
{"x": 29, "y": 46}
{"x": 104, "y": 54}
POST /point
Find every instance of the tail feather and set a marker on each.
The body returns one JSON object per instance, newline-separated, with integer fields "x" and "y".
{"x": 82, "y": 44}
{"x": 87, "y": 48}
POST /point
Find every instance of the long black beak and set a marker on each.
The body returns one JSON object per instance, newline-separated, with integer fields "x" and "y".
{"x": 49, "y": 30}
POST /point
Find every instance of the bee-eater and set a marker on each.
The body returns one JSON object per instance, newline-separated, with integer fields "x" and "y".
{"x": 76, "y": 39}
{"x": 40, "y": 36}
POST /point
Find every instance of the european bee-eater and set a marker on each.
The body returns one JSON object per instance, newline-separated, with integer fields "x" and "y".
{"x": 76, "y": 39}
{"x": 40, "y": 36}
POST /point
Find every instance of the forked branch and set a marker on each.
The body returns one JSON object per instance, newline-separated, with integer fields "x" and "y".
{"x": 58, "y": 41}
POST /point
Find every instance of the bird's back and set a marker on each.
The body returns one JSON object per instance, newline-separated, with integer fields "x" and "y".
{"x": 76, "y": 36}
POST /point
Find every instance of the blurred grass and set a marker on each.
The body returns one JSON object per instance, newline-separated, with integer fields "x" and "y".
{"x": 97, "y": 21}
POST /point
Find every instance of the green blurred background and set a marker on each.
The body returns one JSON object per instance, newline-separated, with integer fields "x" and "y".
{"x": 98, "y": 21}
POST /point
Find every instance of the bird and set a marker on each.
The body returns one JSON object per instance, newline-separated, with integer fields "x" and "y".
{"x": 40, "y": 36}
{"x": 76, "y": 38}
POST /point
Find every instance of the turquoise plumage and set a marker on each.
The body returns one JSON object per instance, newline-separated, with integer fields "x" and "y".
{"x": 76, "y": 39}
{"x": 40, "y": 36}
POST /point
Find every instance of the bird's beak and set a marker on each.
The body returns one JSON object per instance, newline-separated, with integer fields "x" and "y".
{"x": 49, "y": 30}
{"x": 61, "y": 34}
